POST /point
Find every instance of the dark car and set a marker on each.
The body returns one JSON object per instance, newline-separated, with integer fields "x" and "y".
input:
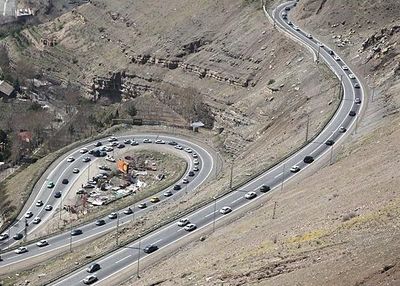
{"x": 65, "y": 181}
{"x": 352, "y": 113}
{"x": 93, "y": 268}
{"x": 177, "y": 187}
{"x": 100, "y": 222}
{"x": 265, "y": 188}
{"x": 18, "y": 236}
{"x": 308, "y": 159}
{"x": 76, "y": 232}
{"x": 329, "y": 142}
{"x": 331, "y": 52}
{"x": 172, "y": 143}
{"x": 98, "y": 144}
{"x": 191, "y": 174}
{"x": 120, "y": 146}
{"x": 57, "y": 195}
{"x": 150, "y": 248}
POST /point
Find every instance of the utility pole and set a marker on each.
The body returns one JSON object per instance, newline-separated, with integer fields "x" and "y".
{"x": 61, "y": 208}
{"x": 319, "y": 49}
{"x": 26, "y": 229}
{"x": 231, "y": 177}
{"x": 117, "y": 229}
{"x": 88, "y": 172}
{"x": 373, "y": 94}
{"x": 138, "y": 260}
{"x": 283, "y": 176}
{"x": 133, "y": 212}
{"x": 70, "y": 238}
{"x": 331, "y": 158}
{"x": 215, "y": 210}
{"x": 307, "y": 127}
{"x": 274, "y": 211}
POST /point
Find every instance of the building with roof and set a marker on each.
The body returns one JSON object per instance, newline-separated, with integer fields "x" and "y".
{"x": 6, "y": 90}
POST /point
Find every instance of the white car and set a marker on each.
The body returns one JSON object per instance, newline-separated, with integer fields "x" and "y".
{"x": 146, "y": 140}
{"x": 21, "y": 249}
{"x": 185, "y": 181}
{"x": 109, "y": 149}
{"x": 320, "y": 44}
{"x": 127, "y": 141}
{"x": 194, "y": 155}
{"x": 250, "y": 195}
{"x": 309, "y": 36}
{"x": 112, "y": 216}
{"x": 42, "y": 243}
{"x": 39, "y": 203}
{"x": 167, "y": 194}
{"x": 295, "y": 169}
{"x": 345, "y": 68}
{"x": 110, "y": 159}
{"x": 29, "y": 214}
{"x": 195, "y": 161}
{"x": 83, "y": 150}
{"x": 352, "y": 76}
{"x": 357, "y": 100}
{"x": 179, "y": 147}
{"x": 159, "y": 141}
{"x": 75, "y": 171}
{"x": 296, "y": 28}
{"x": 70, "y": 159}
{"x": 187, "y": 149}
{"x": 190, "y": 227}
{"x": 336, "y": 58}
{"x": 183, "y": 222}
{"x": 90, "y": 279}
{"x": 112, "y": 139}
{"x": 196, "y": 168}
{"x": 3, "y": 236}
{"x": 36, "y": 220}
{"x": 225, "y": 210}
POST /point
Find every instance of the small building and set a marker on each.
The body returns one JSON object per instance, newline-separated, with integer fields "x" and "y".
{"x": 196, "y": 125}
{"x": 6, "y": 90}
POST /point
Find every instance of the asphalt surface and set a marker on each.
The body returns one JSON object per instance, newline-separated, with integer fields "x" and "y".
{"x": 7, "y": 8}
{"x": 90, "y": 231}
{"x": 128, "y": 256}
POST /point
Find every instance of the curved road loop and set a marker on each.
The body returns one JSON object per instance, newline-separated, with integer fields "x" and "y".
{"x": 341, "y": 124}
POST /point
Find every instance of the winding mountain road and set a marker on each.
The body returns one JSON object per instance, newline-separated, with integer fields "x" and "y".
{"x": 341, "y": 124}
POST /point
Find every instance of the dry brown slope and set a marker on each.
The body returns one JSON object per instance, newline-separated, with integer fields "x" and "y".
{"x": 340, "y": 226}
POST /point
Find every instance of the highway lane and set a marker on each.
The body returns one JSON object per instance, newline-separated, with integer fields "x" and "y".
{"x": 127, "y": 257}
{"x": 90, "y": 231}
{"x": 273, "y": 177}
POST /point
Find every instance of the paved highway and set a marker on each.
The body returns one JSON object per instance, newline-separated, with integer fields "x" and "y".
{"x": 336, "y": 130}
{"x": 63, "y": 169}
{"x": 7, "y": 7}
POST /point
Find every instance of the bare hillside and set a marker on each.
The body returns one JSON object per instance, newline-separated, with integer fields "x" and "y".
{"x": 339, "y": 226}
{"x": 215, "y": 61}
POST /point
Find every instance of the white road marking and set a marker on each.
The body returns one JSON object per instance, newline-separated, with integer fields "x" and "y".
{"x": 116, "y": 262}
{"x": 277, "y": 176}
{"x": 238, "y": 199}
{"x": 4, "y": 8}
{"x": 155, "y": 242}
{"x": 210, "y": 214}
